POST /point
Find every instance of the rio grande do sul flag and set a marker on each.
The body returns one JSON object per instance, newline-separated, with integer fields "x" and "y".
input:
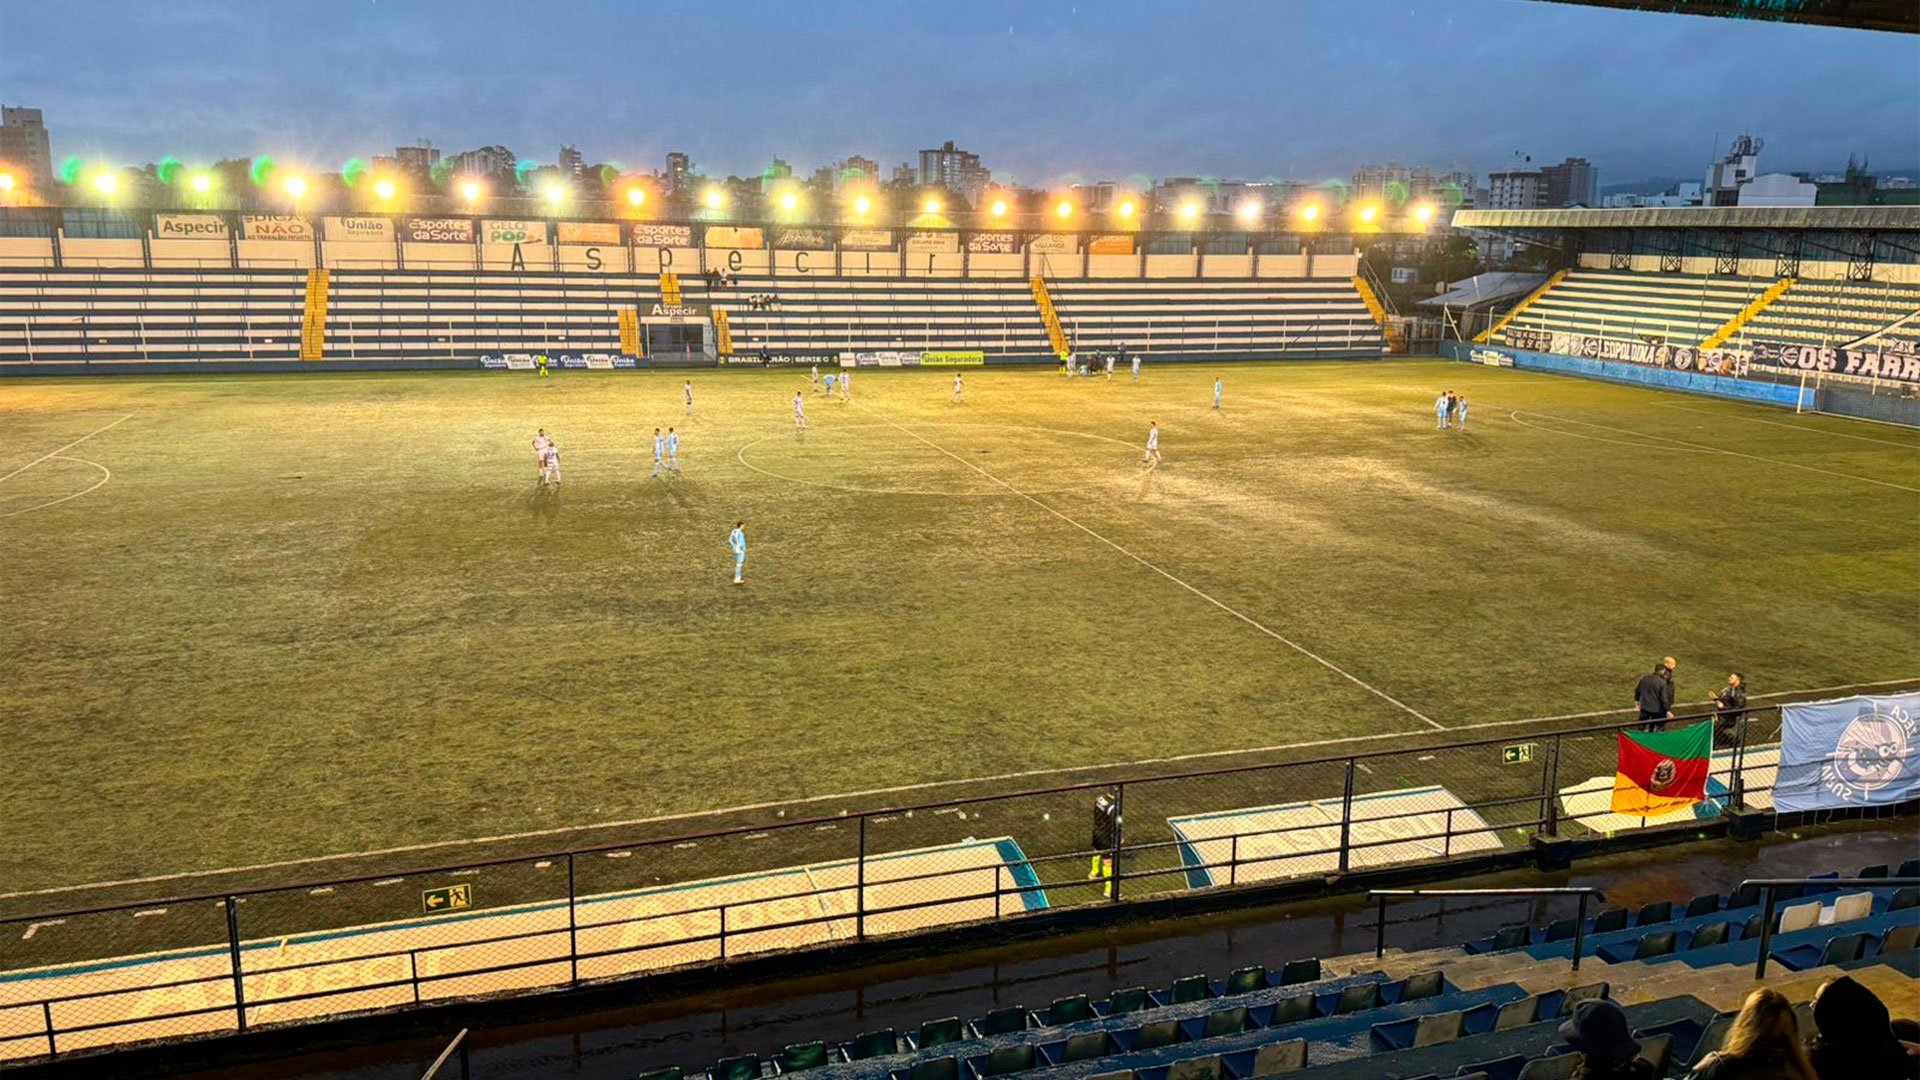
{"x": 1662, "y": 771}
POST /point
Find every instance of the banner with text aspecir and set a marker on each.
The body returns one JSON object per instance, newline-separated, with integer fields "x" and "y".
{"x": 1857, "y": 751}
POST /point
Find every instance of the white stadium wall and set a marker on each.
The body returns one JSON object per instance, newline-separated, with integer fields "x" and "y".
{"x": 90, "y": 252}
{"x": 278, "y": 253}
{"x": 26, "y": 251}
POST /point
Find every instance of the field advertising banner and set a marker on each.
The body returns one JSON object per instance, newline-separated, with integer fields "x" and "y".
{"x": 866, "y": 239}
{"x": 513, "y": 231}
{"x": 933, "y": 243}
{"x": 666, "y": 236}
{"x": 189, "y": 227}
{"x": 1730, "y": 362}
{"x": 588, "y": 232}
{"x": 1857, "y": 751}
{"x": 736, "y": 236}
{"x": 798, "y": 237}
{"x": 993, "y": 243}
{"x": 1055, "y": 244}
{"x": 1899, "y": 363}
{"x": 953, "y": 358}
{"x": 366, "y": 229}
{"x": 275, "y": 227}
{"x": 1111, "y": 244}
{"x": 425, "y": 230}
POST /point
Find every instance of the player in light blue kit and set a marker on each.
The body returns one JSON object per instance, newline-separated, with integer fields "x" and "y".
{"x": 673, "y": 452}
{"x": 1442, "y": 405}
{"x": 1216, "y": 393}
{"x": 659, "y": 451}
{"x": 831, "y": 378}
{"x": 737, "y": 540}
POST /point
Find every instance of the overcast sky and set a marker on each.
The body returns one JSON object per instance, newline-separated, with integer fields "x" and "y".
{"x": 1045, "y": 92}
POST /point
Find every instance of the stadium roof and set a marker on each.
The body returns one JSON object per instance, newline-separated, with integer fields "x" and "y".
{"x": 1485, "y": 289}
{"x": 1901, "y": 16}
{"x": 1697, "y": 217}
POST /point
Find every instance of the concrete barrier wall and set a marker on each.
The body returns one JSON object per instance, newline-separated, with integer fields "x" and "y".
{"x": 1690, "y": 382}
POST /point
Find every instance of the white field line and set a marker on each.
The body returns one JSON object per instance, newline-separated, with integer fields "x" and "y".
{"x": 898, "y": 789}
{"x": 1242, "y": 616}
{"x": 1515, "y": 415}
{"x": 106, "y": 474}
{"x": 1684, "y": 407}
{"x": 64, "y": 449}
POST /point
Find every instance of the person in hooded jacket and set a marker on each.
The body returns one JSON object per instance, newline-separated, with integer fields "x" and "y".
{"x": 1854, "y": 1038}
{"x": 1608, "y": 1051}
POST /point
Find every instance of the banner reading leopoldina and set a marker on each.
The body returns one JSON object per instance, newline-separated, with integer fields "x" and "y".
{"x": 1856, "y": 751}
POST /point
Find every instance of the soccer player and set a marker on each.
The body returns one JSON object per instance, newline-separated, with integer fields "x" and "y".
{"x": 830, "y": 382}
{"x": 959, "y": 388}
{"x": 673, "y": 452}
{"x": 1109, "y": 367}
{"x": 540, "y": 366}
{"x": 1136, "y": 367}
{"x": 550, "y": 466}
{"x": 815, "y": 377}
{"x": 689, "y": 391}
{"x": 737, "y": 540}
{"x": 1216, "y": 393}
{"x": 846, "y": 384}
{"x": 1460, "y": 412}
{"x": 540, "y": 444}
{"x": 1152, "y": 456}
{"x": 1441, "y": 406}
{"x": 659, "y": 452}
{"x": 799, "y": 410}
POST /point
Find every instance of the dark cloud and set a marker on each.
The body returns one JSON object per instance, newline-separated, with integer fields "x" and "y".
{"x": 1302, "y": 88}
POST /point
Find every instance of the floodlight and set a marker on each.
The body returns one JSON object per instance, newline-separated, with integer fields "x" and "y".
{"x": 1248, "y": 212}
{"x": 555, "y": 193}
{"x": 1125, "y": 209}
{"x": 105, "y": 183}
{"x": 999, "y": 208}
{"x": 862, "y": 204}
{"x": 931, "y": 206}
{"x": 636, "y": 196}
{"x": 1369, "y": 211}
{"x": 789, "y": 200}
{"x": 295, "y": 186}
{"x": 6, "y": 181}
{"x": 1423, "y": 213}
{"x": 1064, "y": 209}
{"x": 469, "y": 190}
{"x": 715, "y": 200}
{"x": 1189, "y": 210}
{"x": 384, "y": 189}
{"x": 201, "y": 183}
{"x": 1310, "y": 212}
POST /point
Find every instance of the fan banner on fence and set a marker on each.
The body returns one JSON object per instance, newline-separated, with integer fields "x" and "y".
{"x": 1730, "y": 362}
{"x": 1662, "y": 771}
{"x": 736, "y": 236}
{"x": 1857, "y": 751}
{"x": 867, "y": 239}
{"x": 588, "y": 232}
{"x": 793, "y": 236}
{"x": 1897, "y": 362}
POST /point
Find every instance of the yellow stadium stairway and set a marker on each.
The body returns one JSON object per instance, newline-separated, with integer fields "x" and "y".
{"x": 629, "y": 331}
{"x": 1395, "y": 342}
{"x": 1056, "y": 336}
{"x": 1486, "y": 335}
{"x": 313, "y": 322}
{"x": 669, "y": 287}
{"x": 1745, "y": 315}
{"x": 722, "y": 332}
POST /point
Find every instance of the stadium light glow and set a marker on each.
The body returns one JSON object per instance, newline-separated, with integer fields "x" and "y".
{"x": 862, "y": 204}
{"x": 201, "y": 183}
{"x": 1125, "y": 209}
{"x": 1248, "y": 212}
{"x": 789, "y": 200}
{"x": 384, "y": 189}
{"x": 470, "y": 191}
{"x": 714, "y": 199}
{"x": 636, "y": 196}
{"x": 931, "y": 206}
{"x": 999, "y": 208}
{"x": 1189, "y": 210}
{"x": 1063, "y": 209}
{"x": 1423, "y": 213}
{"x": 6, "y": 181}
{"x": 105, "y": 182}
{"x": 1368, "y": 212}
{"x": 295, "y": 186}
{"x": 555, "y": 193}
{"x": 1310, "y": 212}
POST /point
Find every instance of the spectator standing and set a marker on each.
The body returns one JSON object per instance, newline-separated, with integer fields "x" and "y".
{"x": 1654, "y": 693}
{"x": 1764, "y": 1044}
{"x": 1608, "y": 1051}
{"x": 1730, "y": 705}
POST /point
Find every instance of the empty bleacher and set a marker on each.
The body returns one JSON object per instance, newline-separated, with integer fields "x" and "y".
{"x": 793, "y": 313}
{"x": 1489, "y": 1009}
{"x": 449, "y": 314}
{"x": 1838, "y": 312}
{"x": 1304, "y": 319}
{"x": 1678, "y": 308}
{"x": 70, "y": 316}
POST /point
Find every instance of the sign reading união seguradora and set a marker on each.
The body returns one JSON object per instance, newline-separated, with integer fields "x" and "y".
{"x": 275, "y": 227}
{"x": 513, "y": 231}
{"x": 189, "y": 227}
{"x": 588, "y": 232}
{"x": 953, "y": 358}
{"x": 419, "y": 230}
{"x": 363, "y": 229}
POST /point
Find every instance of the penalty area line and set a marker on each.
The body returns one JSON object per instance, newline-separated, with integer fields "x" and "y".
{"x": 898, "y": 789}
{"x": 1236, "y": 613}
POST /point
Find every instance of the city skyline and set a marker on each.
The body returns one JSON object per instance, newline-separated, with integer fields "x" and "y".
{"x": 1048, "y": 98}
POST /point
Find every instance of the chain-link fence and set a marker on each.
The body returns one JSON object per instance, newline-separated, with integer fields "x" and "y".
{"x": 73, "y": 980}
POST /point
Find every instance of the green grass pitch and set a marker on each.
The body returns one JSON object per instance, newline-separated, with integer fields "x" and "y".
{"x": 269, "y": 618}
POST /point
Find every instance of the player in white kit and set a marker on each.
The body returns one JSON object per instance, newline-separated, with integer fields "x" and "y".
{"x": 550, "y": 466}
{"x": 959, "y": 388}
{"x": 540, "y": 444}
{"x": 1152, "y": 456}
{"x": 673, "y": 452}
{"x": 689, "y": 392}
{"x": 659, "y": 452}
{"x": 800, "y": 411}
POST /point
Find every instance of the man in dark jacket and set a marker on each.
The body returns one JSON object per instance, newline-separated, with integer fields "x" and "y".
{"x": 1730, "y": 704}
{"x": 1654, "y": 694}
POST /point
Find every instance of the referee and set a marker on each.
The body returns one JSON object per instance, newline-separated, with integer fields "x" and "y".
{"x": 1106, "y": 837}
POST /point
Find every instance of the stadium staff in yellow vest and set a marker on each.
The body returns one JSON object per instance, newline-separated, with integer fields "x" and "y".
{"x": 1106, "y": 835}
{"x": 1654, "y": 693}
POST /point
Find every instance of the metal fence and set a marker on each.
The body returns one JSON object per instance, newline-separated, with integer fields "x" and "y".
{"x": 73, "y": 980}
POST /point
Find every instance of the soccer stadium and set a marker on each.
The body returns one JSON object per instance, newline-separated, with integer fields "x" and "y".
{"x": 466, "y": 618}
